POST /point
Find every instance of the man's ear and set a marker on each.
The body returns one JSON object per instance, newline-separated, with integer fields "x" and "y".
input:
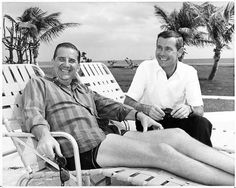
{"x": 180, "y": 51}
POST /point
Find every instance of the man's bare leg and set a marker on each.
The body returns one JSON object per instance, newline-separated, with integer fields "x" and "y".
{"x": 185, "y": 144}
{"x": 118, "y": 150}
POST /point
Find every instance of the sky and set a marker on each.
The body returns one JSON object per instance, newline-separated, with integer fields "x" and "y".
{"x": 109, "y": 30}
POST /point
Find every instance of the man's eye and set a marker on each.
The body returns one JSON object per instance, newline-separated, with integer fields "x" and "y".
{"x": 61, "y": 59}
{"x": 72, "y": 61}
{"x": 168, "y": 49}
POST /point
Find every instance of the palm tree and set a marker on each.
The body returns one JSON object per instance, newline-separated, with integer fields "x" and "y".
{"x": 185, "y": 22}
{"x": 220, "y": 26}
{"x": 15, "y": 41}
{"x": 9, "y": 40}
{"x": 46, "y": 27}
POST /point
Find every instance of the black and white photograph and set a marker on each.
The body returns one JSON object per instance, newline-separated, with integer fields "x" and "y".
{"x": 118, "y": 93}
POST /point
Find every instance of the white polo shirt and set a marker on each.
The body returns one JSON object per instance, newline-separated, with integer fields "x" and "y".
{"x": 151, "y": 86}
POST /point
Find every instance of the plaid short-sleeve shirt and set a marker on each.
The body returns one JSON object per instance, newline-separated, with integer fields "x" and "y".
{"x": 73, "y": 110}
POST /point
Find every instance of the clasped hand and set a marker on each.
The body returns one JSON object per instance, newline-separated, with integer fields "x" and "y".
{"x": 179, "y": 112}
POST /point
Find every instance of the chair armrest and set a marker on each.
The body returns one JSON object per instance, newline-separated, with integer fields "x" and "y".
{"x": 54, "y": 134}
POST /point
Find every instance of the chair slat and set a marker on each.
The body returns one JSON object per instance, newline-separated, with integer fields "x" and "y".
{"x": 16, "y": 74}
{"x": 30, "y": 70}
{"x": 24, "y": 73}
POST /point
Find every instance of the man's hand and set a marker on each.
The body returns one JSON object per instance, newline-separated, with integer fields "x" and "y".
{"x": 47, "y": 146}
{"x": 146, "y": 122}
{"x": 181, "y": 111}
{"x": 155, "y": 113}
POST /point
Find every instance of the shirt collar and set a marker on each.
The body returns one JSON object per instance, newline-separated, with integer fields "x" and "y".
{"x": 156, "y": 64}
{"x": 75, "y": 83}
{"x": 177, "y": 71}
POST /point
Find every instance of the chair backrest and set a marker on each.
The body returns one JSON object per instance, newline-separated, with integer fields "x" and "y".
{"x": 14, "y": 79}
{"x": 99, "y": 78}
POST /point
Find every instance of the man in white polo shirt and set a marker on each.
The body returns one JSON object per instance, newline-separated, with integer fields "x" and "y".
{"x": 169, "y": 91}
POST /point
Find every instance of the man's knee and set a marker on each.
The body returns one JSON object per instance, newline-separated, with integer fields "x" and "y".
{"x": 175, "y": 136}
{"x": 164, "y": 153}
{"x": 177, "y": 132}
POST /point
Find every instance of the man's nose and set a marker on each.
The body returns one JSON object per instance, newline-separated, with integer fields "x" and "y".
{"x": 161, "y": 52}
{"x": 66, "y": 63}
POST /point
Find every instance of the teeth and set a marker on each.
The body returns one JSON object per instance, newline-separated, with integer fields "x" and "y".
{"x": 64, "y": 70}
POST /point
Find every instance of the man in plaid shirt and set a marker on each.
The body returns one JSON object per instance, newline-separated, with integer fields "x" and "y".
{"x": 64, "y": 104}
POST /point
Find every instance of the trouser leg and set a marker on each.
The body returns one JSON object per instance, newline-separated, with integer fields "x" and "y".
{"x": 196, "y": 126}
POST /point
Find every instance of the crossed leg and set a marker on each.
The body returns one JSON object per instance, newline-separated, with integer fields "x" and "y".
{"x": 182, "y": 142}
{"x": 142, "y": 151}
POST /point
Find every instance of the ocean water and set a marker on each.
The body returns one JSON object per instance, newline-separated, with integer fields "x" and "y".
{"x": 122, "y": 63}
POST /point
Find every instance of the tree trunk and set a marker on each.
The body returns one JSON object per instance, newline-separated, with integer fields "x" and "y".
{"x": 10, "y": 60}
{"x": 216, "y": 63}
{"x": 35, "y": 50}
{"x": 180, "y": 58}
{"x": 35, "y": 55}
{"x": 26, "y": 56}
{"x": 9, "y": 44}
{"x": 30, "y": 54}
{"x": 20, "y": 57}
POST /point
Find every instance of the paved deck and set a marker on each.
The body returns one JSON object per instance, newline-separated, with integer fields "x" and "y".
{"x": 13, "y": 167}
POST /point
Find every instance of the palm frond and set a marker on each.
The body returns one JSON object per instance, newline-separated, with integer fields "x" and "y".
{"x": 31, "y": 14}
{"x": 56, "y": 31}
{"x": 229, "y": 11}
{"x": 52, "y": 20}
{"x": 160, "y": 13}
{"x": 9, "y": 18}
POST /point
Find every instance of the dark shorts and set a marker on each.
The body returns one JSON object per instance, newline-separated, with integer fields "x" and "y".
{"x": 89, "y": 158}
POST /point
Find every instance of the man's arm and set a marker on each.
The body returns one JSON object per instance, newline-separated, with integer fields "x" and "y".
{"x": 193, "y": 93}
{"x": 153, "y": 111}
{"x": 198, "y": 110}
{"x": 137, "y": 105}
{"x": 33, "y": 108}
{"x": 145, "y": 120}
{"x": 47, "y": 145}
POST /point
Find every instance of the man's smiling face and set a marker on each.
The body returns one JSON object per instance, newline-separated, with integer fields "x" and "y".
{"x": 66, "y": 64}
{"x": 166, "y": 52}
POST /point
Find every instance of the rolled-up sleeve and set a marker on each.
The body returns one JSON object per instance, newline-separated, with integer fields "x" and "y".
{"x": 110, "y": 109}
{"x": 33, "y": 104}
{"x": 193, "y": 89}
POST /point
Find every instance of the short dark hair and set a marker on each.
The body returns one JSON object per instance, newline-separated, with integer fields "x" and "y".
{"x": 66, "y": 45}
{"x": 170, "y": 34}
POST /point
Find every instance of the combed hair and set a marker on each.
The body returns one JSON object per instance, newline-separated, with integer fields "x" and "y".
{"x": 170, "y": 34}
{"x": 66, "y": 45}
